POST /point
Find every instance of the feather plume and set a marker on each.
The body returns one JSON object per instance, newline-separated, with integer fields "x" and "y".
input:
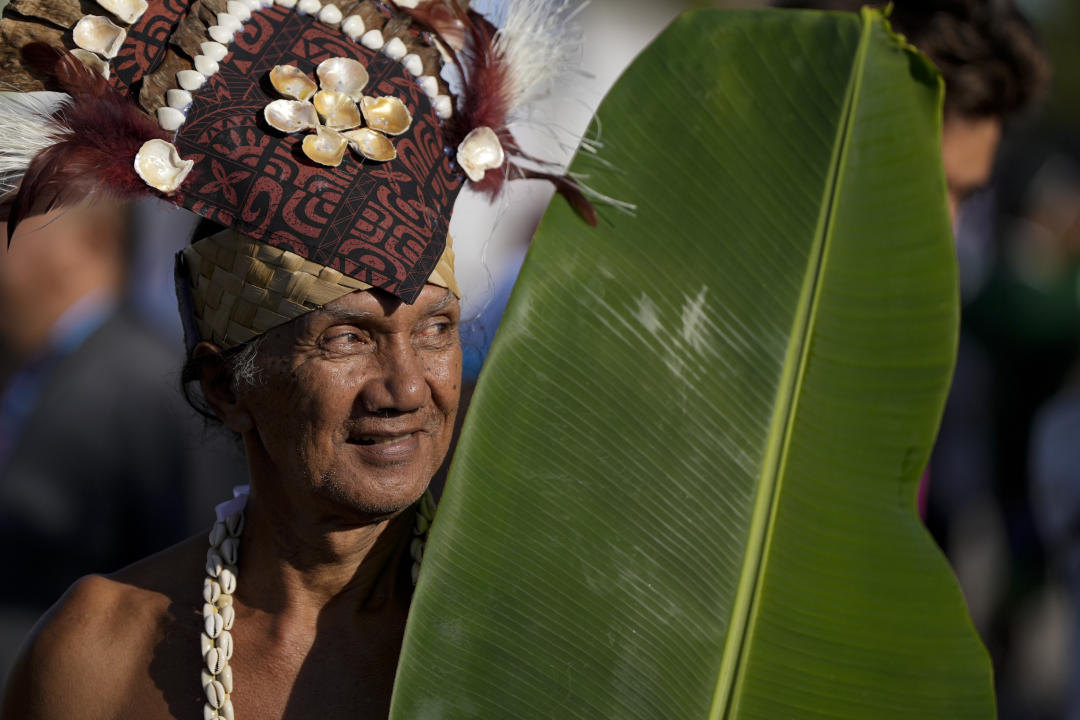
{"x": 94, "y": 136}
{"x": 29, "y": 128}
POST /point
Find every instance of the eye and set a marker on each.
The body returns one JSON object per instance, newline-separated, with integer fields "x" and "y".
{"x": 438, "y": 329}
{"x": 344, "y": 338}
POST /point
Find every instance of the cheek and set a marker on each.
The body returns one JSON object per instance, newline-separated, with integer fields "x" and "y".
{"x": 444, "y": 379}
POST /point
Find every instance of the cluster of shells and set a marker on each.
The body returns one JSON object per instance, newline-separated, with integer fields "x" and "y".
{"x": 98, "y": 39}
{"x": 335, "y": 109}
{"x": 219, "y": 616}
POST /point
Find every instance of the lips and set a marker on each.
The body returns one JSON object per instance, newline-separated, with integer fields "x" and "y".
{"x": 387, "y": 447}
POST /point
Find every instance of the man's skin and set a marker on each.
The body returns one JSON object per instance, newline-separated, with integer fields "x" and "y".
{"x": 350, "y": 416}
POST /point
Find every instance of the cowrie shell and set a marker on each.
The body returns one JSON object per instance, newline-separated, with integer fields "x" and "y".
{"x": 208, "y": 712}
{"x": 216, "y": 660}
{"x": 228, "y": 616}
{"x": 215, "y": 694}
{"x": 372, "y": 39}
{"x": 170, "y": 119}
{"x": 310, "y": 7}
{"x": 395, "y": 49}
{"x": 429, "y": 85}
{"x": 226, "y": 679}
{"x": 226, "y": 710}
{"x": 214, "y": 625}
{"x": 206, "y": 643}
{"x": 229, "y": 548}
{"x": 330, "y": 15}
{"x": 206, "y": 65}
{"x": 225, "y": 644}
{"x": 444, "y": 108}
{"x": 227, "y": 578}
{"x": 190, "y": 79}
{"x": 229, "y": 22}
{"x": 215, "y": 51}
{"x": 239, "y": 10}
{"x": 353, "y": 26}
{"x": 211, "y": 590}
{"x": 214, "y": 564}
{"x": 220, "y": 34}
{"x": 208, "y": 610}
{"x": 413, "y": 64}
{"x": 235, "y": 523}
{"x": 416, "y": 549}
{"x": 177, "y": 98}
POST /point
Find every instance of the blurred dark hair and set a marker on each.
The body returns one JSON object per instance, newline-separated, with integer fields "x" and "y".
{"x": 989, "y": 54}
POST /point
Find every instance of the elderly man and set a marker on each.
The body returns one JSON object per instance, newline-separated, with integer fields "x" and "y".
{"x": 321, "y": 317}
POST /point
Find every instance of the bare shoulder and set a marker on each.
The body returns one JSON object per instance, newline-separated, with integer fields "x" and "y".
{"x": 89, "y": 653}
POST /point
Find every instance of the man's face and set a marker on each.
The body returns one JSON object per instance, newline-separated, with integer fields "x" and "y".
{"x": 968, "y": 146}
{"x": 357, "y": 400}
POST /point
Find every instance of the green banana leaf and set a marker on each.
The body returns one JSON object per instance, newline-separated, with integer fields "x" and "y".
{"x": 686, "y": 485}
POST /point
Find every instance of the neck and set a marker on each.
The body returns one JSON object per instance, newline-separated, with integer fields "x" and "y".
{"x": 292, "y": 566}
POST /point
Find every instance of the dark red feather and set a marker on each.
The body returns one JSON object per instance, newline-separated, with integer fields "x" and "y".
{"x": 101, "y": 132}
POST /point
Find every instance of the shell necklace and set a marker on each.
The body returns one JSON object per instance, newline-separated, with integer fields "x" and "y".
{"x": 220, "y": 585}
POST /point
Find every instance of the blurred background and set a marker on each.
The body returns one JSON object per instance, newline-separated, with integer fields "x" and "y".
{"x": 1003, "y": 496}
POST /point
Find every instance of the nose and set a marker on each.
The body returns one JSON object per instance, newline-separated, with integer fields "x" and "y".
{"x": 399, "y": 383}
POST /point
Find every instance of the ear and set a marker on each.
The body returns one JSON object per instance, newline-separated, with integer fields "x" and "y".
{"x": 216, "y": 382}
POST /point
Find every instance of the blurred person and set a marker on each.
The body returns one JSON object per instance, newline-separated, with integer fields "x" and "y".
{"x": 994, "y": 69}
{"x": 96, "y": 458}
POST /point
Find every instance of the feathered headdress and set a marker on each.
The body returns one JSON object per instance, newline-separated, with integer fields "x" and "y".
{"x": 329, "y": 130}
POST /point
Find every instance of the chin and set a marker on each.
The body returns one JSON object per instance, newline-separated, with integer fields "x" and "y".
{"x": 375, "y": 494}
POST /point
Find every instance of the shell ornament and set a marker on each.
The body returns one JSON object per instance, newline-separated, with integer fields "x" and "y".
{"x": 335, "y": 109}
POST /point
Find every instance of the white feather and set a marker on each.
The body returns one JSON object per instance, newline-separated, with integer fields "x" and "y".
{"x": 29, "y": 126}
{"x": 540, "y": 43}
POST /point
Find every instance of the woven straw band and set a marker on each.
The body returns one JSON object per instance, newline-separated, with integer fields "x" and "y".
{"x": 241, "y": 287}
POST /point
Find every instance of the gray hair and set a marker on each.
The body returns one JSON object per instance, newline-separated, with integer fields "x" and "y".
{"x": 245, "y": 369}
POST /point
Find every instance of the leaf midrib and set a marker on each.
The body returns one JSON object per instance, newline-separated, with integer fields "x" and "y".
{"x": 747, "y": 597}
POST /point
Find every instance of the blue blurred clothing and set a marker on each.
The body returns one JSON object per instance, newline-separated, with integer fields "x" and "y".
{"x": 19, "y": 396}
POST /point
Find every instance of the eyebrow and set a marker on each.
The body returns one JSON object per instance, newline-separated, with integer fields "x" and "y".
{"x": 440, "y": 304}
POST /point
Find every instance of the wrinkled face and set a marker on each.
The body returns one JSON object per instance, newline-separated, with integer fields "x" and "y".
{"x": 357, "y": 400}
{"x": 968, "y": 147}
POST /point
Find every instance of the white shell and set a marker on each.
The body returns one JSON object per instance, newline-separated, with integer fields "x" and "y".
{"x": 214, "y": 565}
{"x": 395, "y": 49}
{"x": 310, "y": 7}
{"x": 226, "y": 710}
{"x": 353, "y": 26}
{"x": 159, "y": 165}
{"x": 372, "y": 39}
{"x": 225, "y": 644}
{"x": 372, "y": 145}
{"x": 386, "y": 114}
{"x": 429, "y": 85}
{"x": 479, "y": 152}
{"x": 226, "y": 678}
{"x": 444, "y": 107}
{"x": 127, "y": 11}
{"x": 214, "y": 50}
{"x": 330, "y": 15}
{"x": 326, "y": 147}
{"x": 211, "y": 590}
{"x": 170, "y": 119}
{"x": 254, "y": 5}
{"x": 291, "y": 116}
{"x": 215, "y": 694}
{"x": 209, "y": 713}
{"x": 407, "y": 3}
{"x": 215, "y": 660}
{"x": 228, "y": 617}
{"x": 344, "y": 75}
{"x": 228, "y": 580}
{"x": 214, "y": 625}
{"x": 92, "y": 61}
{"x": 292, "y": 82}
{"x": 229, "y": 22}
{"x": 229, "y": 548}
{"x": 413, "y": 64}
{"x": 206, "y": 66}
{"x": 235, "y": 523}
{"x": 338, "y": 110}
{"x": 208, "y": 610}
{"x": 206, "y": 643}
{"x": 240, "y": 10}
{"x": 220, "y": 34}
{"x": 218, "y": 531}
{"x": 99, "y": 35}
{"x": 287, "y": 4}
{"x": 190, "y": 79}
